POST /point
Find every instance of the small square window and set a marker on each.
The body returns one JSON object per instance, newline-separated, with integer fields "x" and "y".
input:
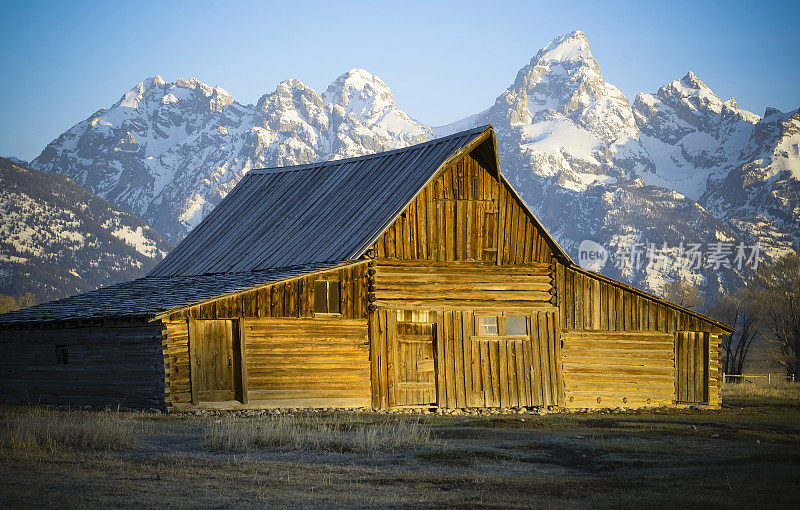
{"x": 516, "y": 325}
{"x": 326, "y": 296}
{"x": 487, "y": 325}
{"x": 62, "y": 356}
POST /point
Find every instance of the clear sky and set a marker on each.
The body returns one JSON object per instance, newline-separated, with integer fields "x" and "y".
{"x": 64, "y": 60}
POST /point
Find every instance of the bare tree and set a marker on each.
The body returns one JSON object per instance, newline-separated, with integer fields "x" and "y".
{"x": 26, "y": 300}
{"x": 11, "y": 303}
{"x": 774, "y": 296}
{"x": 684, "y": 293}
{"x": 733, "y": 310}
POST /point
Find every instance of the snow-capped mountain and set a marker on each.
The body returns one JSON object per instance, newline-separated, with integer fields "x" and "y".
{"x": 169, "y": 152}
{"x": 57, "y": 239}
{"x": 562, "y": 121}
{"x": 679, "y": 165}
{"x": 744, "y": 169}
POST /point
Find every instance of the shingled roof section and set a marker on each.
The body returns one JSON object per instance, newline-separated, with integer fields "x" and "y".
{"x": 320, "y": 213}
{"x": 146, "y": 297}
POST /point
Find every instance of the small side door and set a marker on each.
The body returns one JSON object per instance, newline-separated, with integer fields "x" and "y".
{"x": 691, "y": 364}
{"x": 213, "y": 361}
{"x": 414, "y": 364}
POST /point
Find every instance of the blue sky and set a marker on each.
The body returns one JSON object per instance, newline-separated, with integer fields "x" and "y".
{"x": 62, "y": 61}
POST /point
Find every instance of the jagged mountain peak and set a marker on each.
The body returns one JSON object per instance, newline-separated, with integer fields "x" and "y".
{"x": 155, "y": 90}
{"x": 564, "y": 80}
{"x": 570, "y": 47}
{"x": 569, "y": 123}
{"x": 770, "y": 111}
{"x": 361, "y": 86}
{"x": 567, "y": 56}
{"x": 693, "y": 92}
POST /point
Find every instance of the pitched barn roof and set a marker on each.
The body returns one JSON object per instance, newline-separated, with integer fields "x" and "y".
{"x": 323, "y": 212}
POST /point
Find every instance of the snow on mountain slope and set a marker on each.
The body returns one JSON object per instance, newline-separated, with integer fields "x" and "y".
{"x": 563, "y": 121}
{"x": 57, "y": 239}
{"x": 169, "y": 152}
{"x": 744, "y": 169}
{"x": 760, "y": 197}
{"x": 691, "y": 134}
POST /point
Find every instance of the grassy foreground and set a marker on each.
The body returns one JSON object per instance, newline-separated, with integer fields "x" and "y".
{"x": 744, "y": 455}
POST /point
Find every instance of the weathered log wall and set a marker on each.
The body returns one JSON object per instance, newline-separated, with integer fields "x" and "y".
{"x": 307, "y": 362}
{"x": 613, "y": 369}
{"x": 105, "y": 365}
{"x": 461, "y": 286}
{"x": 290, "y": 298}
{"x": 621, "y": 346}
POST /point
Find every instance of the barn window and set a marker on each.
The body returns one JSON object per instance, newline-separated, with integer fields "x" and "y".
{"x": 326, "y": 296}
{"x": 487, "y": 325}
{"x": 62, "y": 356}
{"x": 516, "y": 325}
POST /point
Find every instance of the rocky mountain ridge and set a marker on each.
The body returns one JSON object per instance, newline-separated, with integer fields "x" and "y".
{"x": 57, "y": 239}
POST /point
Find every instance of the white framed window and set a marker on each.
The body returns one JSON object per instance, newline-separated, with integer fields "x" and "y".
{"x": 487, "y": 325}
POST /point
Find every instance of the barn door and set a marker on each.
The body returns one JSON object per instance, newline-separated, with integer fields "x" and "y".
{"x": 691, "y": 360}
{"x": 213, "y": 346}
{"x": 414, "y": 363}
{"x": 547, "y": 387}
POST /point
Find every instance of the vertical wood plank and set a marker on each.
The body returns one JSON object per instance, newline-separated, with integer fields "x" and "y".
{"x": 194, "y": 369}
{"x": 458, "y": 358}
{"x": 245, "y": 398}
{"x": 544, "y": 353}
{"x": 558, "y": 363}
{"x": 520, "y": 377}
{"x": 449, "y": 359}
{"x": 486, "y": 374}
{"x": 466, "y": 329}
{"x": 527, "y": 359}
{"x": 391, "y": 337}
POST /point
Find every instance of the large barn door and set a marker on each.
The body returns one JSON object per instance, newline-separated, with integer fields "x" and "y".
{"x": 414, "y": 366}
{"x": 691, "y": 360}
{"x": 214, "y": 362}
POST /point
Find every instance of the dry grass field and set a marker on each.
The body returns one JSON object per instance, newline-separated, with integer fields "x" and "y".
{"x": 742, "y": 456}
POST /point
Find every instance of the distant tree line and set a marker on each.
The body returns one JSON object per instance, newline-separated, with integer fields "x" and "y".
{"x": 767, "y": 307}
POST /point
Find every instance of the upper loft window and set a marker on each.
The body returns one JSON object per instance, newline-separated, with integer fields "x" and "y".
{"x": 326, "y": 296}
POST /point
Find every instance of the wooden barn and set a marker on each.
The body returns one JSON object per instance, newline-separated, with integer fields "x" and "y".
{"x": 410, "y": 278}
